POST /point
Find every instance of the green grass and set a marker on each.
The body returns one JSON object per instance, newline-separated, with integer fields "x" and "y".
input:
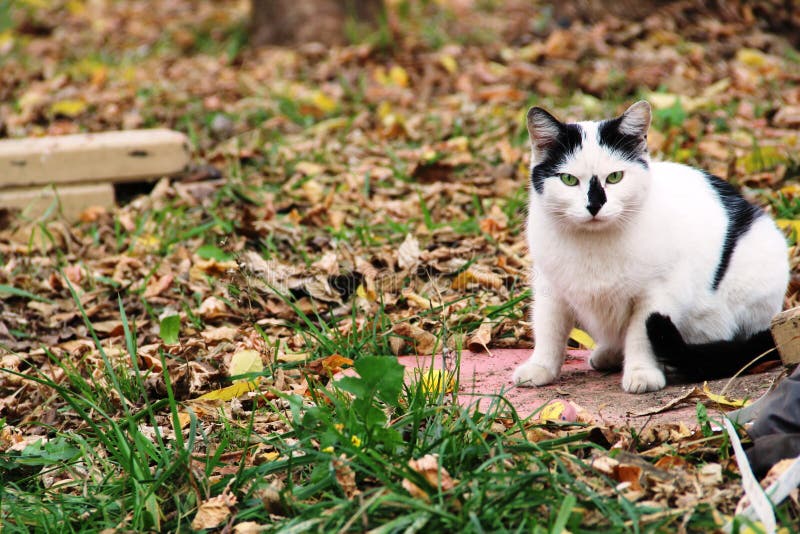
{"x": 363, "y": 429}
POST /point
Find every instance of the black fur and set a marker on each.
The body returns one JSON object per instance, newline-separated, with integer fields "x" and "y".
{"x": 741, "y": 215}
{"x": 630, "y": 147}
{"x": 596, "y": 196}
{"x": 705, "y": 361}
{"x": 568, "y": 142}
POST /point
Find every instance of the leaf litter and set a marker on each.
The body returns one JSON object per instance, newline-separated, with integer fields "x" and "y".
{"x": 358, "y": 189}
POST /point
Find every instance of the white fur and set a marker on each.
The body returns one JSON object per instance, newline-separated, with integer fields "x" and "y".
{"x": 653, "y": 247}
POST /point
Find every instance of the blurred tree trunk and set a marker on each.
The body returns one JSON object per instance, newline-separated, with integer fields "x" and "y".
{"x": 301, "y": 21}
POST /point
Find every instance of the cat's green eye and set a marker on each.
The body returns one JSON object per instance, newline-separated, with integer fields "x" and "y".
{"x": 614, "y": 177}
{"x": 569, "y": 179}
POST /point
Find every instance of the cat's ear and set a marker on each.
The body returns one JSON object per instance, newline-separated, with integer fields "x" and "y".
{"x": 543, "y": 129}
{"x": 636, "y": 120}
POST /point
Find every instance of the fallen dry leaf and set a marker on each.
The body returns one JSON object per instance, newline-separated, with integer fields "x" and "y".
{"x": 345, "y": 476}
{"x": 219, "y": 333}
{"x": 212, "y": 308}
{"x": 420, "y": 341}
{"x": 436, "y": 476}
{"x": 480, "y": 339}
{"x": 214, "y": 511}
{"x": 408, "y": 253}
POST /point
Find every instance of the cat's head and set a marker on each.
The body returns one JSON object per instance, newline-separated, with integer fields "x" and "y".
{"x": 590, "y": 175}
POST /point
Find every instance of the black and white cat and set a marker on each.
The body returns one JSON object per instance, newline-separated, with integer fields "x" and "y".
{"x": 663, "y": 264}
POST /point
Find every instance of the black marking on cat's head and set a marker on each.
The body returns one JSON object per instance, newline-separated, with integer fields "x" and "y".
{"x": 627, "y": 134}
{"x": 552, "y": 141}
{"x": 596, "y": 196}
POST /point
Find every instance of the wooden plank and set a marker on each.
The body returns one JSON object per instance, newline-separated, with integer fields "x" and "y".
{"x": 122, "y": 156}
{"x": 786, "y": 333}
{"x": 68, "y": 200}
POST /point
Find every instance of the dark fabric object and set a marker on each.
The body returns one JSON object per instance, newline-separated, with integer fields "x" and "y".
{"x": 767, "y": 451}
{"x": 781, "y": 414}
{"x": 776, "y": 431}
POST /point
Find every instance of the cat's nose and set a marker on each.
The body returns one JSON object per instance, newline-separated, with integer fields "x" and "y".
{"x": 596, "y": 196}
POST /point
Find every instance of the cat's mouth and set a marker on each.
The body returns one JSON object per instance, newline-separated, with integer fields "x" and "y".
{"x": 597, "y": 222}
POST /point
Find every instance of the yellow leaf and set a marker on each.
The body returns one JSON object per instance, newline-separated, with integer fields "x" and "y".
{"x": 6, "y": 41}
{"x": 270, "y": 456}
{"x": 309, "y": 168}
{"x": 751, "y": 57}
{"x": 69, "y": 107}
{"x": 384, "y": 109}
{"x": 298, "y": 357}
{"x": 231, "y": 392}
{"x": 722, "y": 400}
{"x": 365, "y": 293}
{"x": 323, "y": 102}
{"x": 437, "y": 381}
{"x": 458, "y": 144}
{"x": 449, "y": 64}
{"x": 783, "y": 224}
{"x": 582, "y": 337}
{"x": 76, "y": 7}
{"x": 147, "y": 243}
{"x": 245, "y": 362}
{"x": 762, "y": 159}
{"x": 334, "y": 363}
{"x": 791, "y": 190}
{"x": 551, "y": 411}
{"x": 398, "y": 76}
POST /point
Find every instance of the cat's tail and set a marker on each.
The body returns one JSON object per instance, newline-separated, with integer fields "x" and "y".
{"x": 716, "y": 359}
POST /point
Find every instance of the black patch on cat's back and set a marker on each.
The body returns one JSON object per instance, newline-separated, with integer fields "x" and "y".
{"x": 569, "y": 140}
{"x": 629, "y": 147}
{"x": 740, "y": 214}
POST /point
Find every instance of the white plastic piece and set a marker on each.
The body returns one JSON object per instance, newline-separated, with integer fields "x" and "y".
{"x": 761, "y": 507}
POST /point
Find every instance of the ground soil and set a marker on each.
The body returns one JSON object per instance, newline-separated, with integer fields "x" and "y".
{"x": 600, "y": 394}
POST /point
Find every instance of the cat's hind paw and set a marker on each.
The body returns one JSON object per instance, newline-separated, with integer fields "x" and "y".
{"x": 643, "y": 379}
{"x": 605, "y": 359}
{"x": 531, "y": 374}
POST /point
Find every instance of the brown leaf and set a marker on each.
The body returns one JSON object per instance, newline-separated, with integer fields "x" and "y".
{"x": 631, "y": 474}
{"x": 479, "y": 340}
{"x": 212, "y": 308}
{"x": 408, "y": 253}
{"x": 345, "y": 476}
{"x": 710, "y": 475}
{"x": 670, "y": 462}
{"x": 248, "y": 527}
{"x": 214, "y": 511}
{"x": 110, "y": 328}
{"x": 436, "y": 476}
{"x": 329, "y": 366}
{"x": 219, "y": 333}
{"x": 478, "y": 275}
{"x": 157, "y": 286}
{"x": 787, "y": 117}
{"x": 422, "y": 342}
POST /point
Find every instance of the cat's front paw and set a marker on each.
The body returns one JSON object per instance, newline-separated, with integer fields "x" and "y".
{"x": 606, "y": 359}
{"x": 531, "y": 374}
{"x": 643, "y": 379}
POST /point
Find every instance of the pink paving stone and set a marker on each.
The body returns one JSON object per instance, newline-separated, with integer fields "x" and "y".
{"x": 484, "y": 375}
